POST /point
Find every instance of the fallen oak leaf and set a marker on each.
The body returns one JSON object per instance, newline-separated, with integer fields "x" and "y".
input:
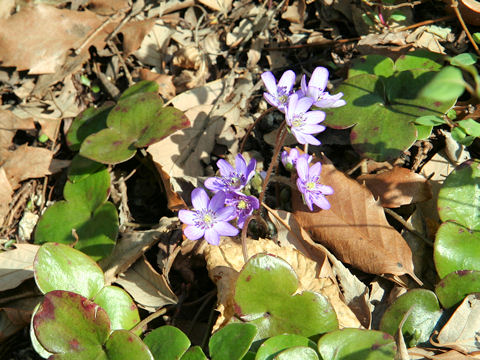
{"x": 355, "y": 228}
{"x": 397, "y": 187}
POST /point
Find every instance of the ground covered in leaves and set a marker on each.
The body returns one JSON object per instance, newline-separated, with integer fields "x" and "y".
{"x": 59, "y": 58}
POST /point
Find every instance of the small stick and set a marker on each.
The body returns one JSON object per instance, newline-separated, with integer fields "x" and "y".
{"x": 149, "y": 318}
{"x": 459, "y": 17}
{"x": 407, "y": 226}
{"x": 92, "y": 35}
{"x": 422, "y": 23}
{"x": 250, "y": 128}
{"x": 314, "y": 44}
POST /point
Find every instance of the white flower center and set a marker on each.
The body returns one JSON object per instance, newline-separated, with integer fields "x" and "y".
{"x": 298, "y": 120}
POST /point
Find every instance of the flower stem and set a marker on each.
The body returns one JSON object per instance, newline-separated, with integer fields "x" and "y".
{"x": 278, "y": 145}
{"x": 250, "y": 128}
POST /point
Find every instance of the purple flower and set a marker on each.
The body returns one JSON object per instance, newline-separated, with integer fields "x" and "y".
{"x": 277, "y": 94}
{"x": 209, "y": 218}
{"x": 308, "y": 183}
{"x": 316, "y": 90}
{"x": 232, "y": 179}
{"x": 304, "y": 123}
{"x": 244, "y": 206}
{"x": 289, "y": 159}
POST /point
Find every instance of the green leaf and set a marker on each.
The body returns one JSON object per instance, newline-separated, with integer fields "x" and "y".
{"x": 138, "y": 120}
{"x": 141, "y": 87}
{"x": 232, "y": 341}
{"x": 91, "y": 191}
{"x": 167, "y": 343}
{"x": 122, "y": 345}
{"x": 57, "y": 267}
{"x": 464, "y": 59}
{"x": 275, "y": 345}
{"x": 429, "y": 120}
{"x": 423, "y": 132}
{"x": 456, "y": 248}
{"x": 35, "y": 344}
{"x": 470, "y": 126}
{"x": 120, "y": 308}
{"x": 81, "y": 167}
{"x": 372, "y": 64}
{"x": 476, "y": 37}
{"x": 297, "y": 353}
{"x": 458, "y": 199}
{"x": 264, "y": 297}
{"x": 398, "y": 17}
{"x": 69, "y": 324}
{"x": 419, "y": 59}
{"x": 460, "y": 136}
{"x": 420, "y": 323}
{"x": 194, "y": 353}
{"x": 356, "y": 344}
{"x": 85, "y": 210}
{"x": 454, "y": 287}
{"x": 447, "y": 85}
{"x": 89, "y": 122}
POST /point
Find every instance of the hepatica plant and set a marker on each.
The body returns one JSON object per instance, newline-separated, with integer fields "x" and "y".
{"x": 232, "y": 200}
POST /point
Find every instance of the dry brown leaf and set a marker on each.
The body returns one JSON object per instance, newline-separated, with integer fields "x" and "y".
{"x": 461, "y": 331}
{"x": 133, "y": 34}
{"x": 226, "y": 260}
{"x": 38, "y": 38}
{"x": 148, "y": 288}
{"x": 6, "y": 192}
{"x": 9, "y": 124}
{"x": 107, "y": 7}
{"x": 398, "y": 186}
{"x": 131, "y": 246}
{"x": 295, "y": 12}
{"x": 355, "y": 228}
{"x": 17, "y": 265}
{"x": 165, "y": 84}
{"x": 181, "y": 153}
{"x": 218, "y": 5}
{"x": 175, "y": 201}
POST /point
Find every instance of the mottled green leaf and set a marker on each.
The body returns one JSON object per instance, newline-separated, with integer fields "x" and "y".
{"x": 275, "y": 345}
{"x": 232, "y": 341}
{"x": 167, "y": 343}
{"x": 454, "y": 287}
{"x": 122, "y": 345}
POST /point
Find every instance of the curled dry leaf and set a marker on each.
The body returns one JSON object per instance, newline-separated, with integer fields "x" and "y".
{"x": 225, "y": 261}
{"x": 17, "y": 265}
{"x": 44, "y": 36}
{"x": 397, "y": 187}
{"x": 355, "y": 228}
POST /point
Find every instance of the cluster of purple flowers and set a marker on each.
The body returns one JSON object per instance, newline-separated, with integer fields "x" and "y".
{"x": 211, "y": 218}
{"x": 303, "y": 123}
{"x": 296, "y": 104}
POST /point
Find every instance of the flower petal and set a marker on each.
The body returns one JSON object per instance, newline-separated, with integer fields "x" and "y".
{"x": 319, "y": 78}
{"x": 287, "y": 80}
{"x": 303, "y": 84}
{"x": 212, "y": 236}
{"x": 193, "y": 232}
{"x": 272, "y": 100}
{"x": 224, "y": 228}
{"x": 314, "y": 117}
{"x": 225, "y": 168}
{"x": 217, "y": 202}
{"x": 302, "y": 168}
{"x": 308, "y": 200}
{"x": 325, "y": 189}
{"x": 200, "y": 199}
{"x": 312, "y": 140}
{"x": 251, "y": 169}
{"x": 226, "y": 213}
{"x": 315, "y": 170}
{"x": 321, "y": 201}
{"x": 240, "y": 164}
{"x": 312, "y": 129}
{"x": 303, "y": 105}
{"x": 214, "y": 184}
{"x": 270, "y": 82}
{"x": 187, "y": 217}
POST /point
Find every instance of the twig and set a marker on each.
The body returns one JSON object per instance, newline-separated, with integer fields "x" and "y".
{"x": 393, "y": 7}
{"x": 459, "y": 17}
{"x": 122, "y": 62}
{"x": 407, "y": 226}
{"x": 314, "y": 44}
{"x": 251, "y": 127}
{"x": 149, "y": 318}
{"x": 282, "y": 132}
{"x": 422, "y": 23}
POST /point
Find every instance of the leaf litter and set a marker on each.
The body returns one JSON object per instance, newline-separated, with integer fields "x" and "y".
{"x": 207, "y": 60}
